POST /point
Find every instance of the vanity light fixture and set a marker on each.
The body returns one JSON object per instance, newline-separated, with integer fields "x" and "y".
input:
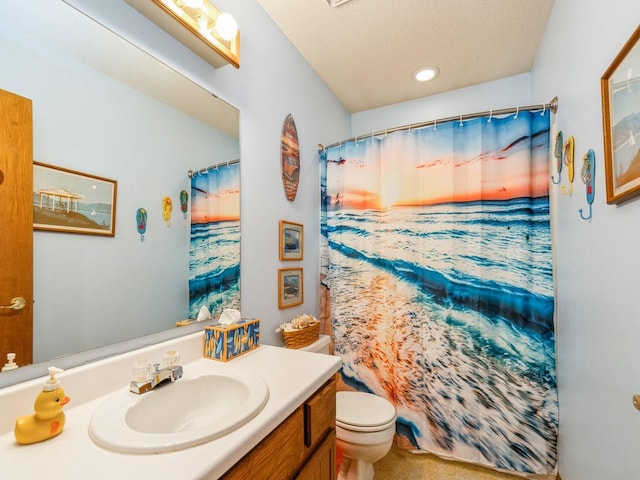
{"x": 226, "y": 26}
{"x": 426, "y": 74}
{"x": 199, "y": 25}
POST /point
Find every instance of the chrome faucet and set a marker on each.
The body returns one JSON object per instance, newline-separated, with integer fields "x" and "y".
{"x": 160, "y": 376}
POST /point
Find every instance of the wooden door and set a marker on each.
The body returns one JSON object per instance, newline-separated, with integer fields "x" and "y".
{"x": 16, "y": 228}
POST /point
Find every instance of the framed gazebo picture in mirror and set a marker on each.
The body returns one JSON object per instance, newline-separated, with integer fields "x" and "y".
{"x": 73, "y": 202}
{"x": 621, "y": 122}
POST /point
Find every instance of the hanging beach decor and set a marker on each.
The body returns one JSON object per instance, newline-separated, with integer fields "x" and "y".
{"x": 558, "y": 155}
{"x": 141, "y": 222}
{"x": 184, "y": 202}
{"x": 166, "y": 210}
{"x": 587, "y": 174}
{"x": 290, "y": 156}
{"x": 568, "y": 161}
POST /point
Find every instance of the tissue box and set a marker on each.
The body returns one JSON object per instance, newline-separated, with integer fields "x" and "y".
{"x": 226, "y": 342}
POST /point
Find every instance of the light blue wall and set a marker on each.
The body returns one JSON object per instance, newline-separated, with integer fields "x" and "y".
{"x": 273, "y": 81}
{"x": 597, "y": 263}
{"x": 504, "y": 93}
{"x": 88, "y": 122}
{"x": 597, "y": 317}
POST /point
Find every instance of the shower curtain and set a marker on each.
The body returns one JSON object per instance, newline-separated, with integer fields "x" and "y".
{"x": 214, "y": 251}
{"x": 436, "y": 261}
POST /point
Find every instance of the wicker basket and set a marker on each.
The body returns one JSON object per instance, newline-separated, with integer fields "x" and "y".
{"x": 303, "y": 337}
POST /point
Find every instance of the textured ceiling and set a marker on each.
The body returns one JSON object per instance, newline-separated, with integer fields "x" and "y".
{"x": 367, "y": 50}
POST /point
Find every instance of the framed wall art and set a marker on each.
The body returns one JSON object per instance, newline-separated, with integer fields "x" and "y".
{"x": 291, "y": 241}
{"x": 73, "y": 202}
{"x": 290, "y": 287}
{"x": 621, "y": 122}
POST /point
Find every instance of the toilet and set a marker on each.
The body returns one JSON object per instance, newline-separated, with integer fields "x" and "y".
{"x": 365, "y": 426}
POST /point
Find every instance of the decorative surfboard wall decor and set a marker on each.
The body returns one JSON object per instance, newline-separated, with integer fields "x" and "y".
{"x": 290, "y": 155}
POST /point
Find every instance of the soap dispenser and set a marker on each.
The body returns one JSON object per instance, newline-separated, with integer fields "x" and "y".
{"x": 11, "y": 364}
{"x": 48, "y": 418}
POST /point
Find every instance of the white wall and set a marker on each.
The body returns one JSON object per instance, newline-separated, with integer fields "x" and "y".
{"x": 596, "y": 261}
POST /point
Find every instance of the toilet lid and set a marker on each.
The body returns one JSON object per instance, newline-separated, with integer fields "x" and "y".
{"x": 363, "y": 409}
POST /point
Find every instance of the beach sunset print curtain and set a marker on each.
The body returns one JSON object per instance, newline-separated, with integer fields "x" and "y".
{"x": 214, "y": 251}
{"x": 436, "y": 262}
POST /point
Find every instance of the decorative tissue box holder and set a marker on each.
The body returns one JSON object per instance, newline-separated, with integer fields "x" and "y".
{"x": 226, "y": 342}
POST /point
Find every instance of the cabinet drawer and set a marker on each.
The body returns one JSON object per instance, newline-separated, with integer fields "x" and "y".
{"x": 320, "y": 414}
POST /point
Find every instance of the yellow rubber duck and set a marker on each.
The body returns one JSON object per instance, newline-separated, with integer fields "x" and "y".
{"x": 48, "y": 419}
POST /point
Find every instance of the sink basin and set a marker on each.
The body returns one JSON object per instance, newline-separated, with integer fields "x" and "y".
{"x": 179, "y": 415}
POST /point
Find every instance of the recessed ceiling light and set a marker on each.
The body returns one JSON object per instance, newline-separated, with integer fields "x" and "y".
{"x": 335, "y": 3}
{"x": 426, "y": 74}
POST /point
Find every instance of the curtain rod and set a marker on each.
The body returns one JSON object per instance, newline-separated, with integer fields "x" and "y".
{"x": 192, "y": 173}
{"x": 552, "y": 106}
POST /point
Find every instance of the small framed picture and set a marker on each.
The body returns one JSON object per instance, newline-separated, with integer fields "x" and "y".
{"x": 73, "y": 202}
{"x": 621, "y": 121}
{"x": 290, "y": 287}
{"x": 291, "y": 241}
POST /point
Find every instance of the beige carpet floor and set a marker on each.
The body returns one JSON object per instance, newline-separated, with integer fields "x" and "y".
{"x": 402, "y": 465}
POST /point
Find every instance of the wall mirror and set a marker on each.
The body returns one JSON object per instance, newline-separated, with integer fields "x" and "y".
{"x": 105, "y": 107}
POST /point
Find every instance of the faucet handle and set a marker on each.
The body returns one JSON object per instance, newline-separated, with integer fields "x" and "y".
{"x": 170, "y": 359}
{"x": 142, "y": 371}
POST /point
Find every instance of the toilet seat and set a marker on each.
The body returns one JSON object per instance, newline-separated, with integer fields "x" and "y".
{"x": 364, "y": 412}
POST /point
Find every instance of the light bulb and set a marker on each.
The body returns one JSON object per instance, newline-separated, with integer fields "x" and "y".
{"x": 226, "y": 26}
{"x": 426, "y": 74}
{"x": 193, "y": 3}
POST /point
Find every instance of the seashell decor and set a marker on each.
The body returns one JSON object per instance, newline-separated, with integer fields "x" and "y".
{"x": 298, "y": 323}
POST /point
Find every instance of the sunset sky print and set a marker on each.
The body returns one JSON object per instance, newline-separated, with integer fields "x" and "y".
{"x": 450, "y": 163}
{"x": 217, "y": 198}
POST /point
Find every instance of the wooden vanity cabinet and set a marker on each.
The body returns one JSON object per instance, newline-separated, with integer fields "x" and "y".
{"x": 303, "y": 447}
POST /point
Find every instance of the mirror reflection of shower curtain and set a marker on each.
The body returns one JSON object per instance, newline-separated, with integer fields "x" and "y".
{"x": 436, "y": 259}
{"x": 214, "y": 251}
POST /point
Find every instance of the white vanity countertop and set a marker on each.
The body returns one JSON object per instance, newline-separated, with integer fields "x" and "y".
{"x": 292, "y": 376}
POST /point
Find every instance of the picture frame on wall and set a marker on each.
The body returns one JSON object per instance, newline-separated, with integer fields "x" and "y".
{"x": 73, "y": 202}
{"x": 290, "y": 287}
{"x": 620, "y": 85}
{"x": 291, "y": 241}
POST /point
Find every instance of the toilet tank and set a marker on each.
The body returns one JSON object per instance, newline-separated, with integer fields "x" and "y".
{"x": 319, "y": 346}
